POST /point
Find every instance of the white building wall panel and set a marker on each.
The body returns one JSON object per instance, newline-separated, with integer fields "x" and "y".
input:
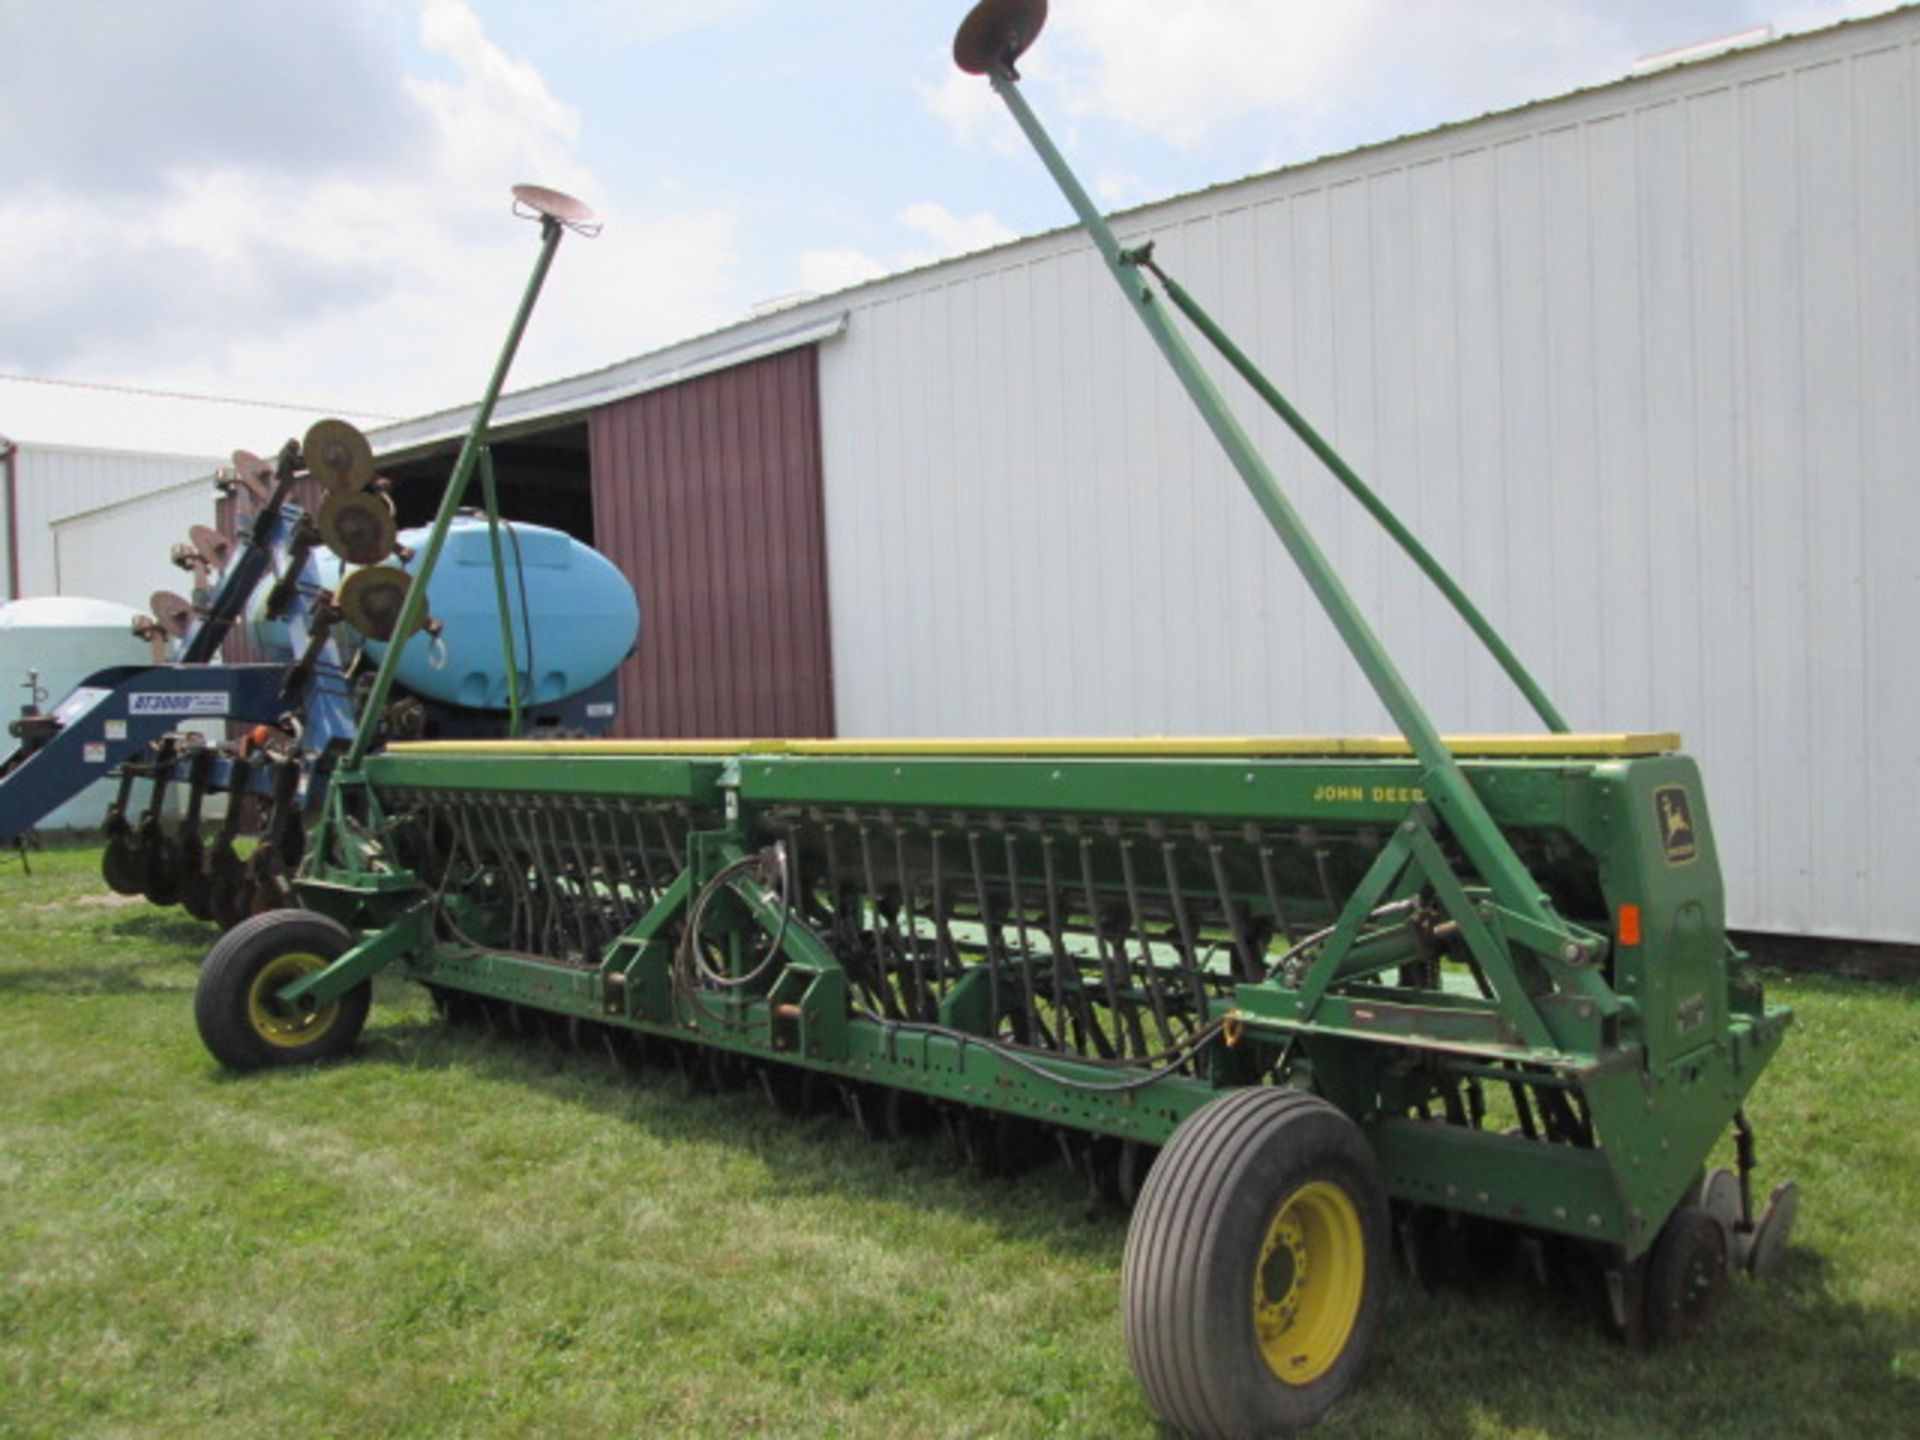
{"x": 54, "y": 483}
{"x": 121, "y": 552}
{"x": 1639, "y": 364}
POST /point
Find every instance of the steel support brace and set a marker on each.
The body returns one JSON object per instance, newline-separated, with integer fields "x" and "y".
{"x": 637, "y": 970}
{"x": 1450, "y": 793}
{"x": 409, "y": 932}
{"x": 413, "y": 609}
{"x": 1382, "y": 876}
{"x": 637, "y": 973}
{"x": 1371, "y": 502}
{"x": 346, "y": 861}
{"x": 1412, "y": 859}
{"x": 490, "y": 497}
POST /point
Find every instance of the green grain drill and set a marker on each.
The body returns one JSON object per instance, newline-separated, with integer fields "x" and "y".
{"x": 1294, "y": 1001}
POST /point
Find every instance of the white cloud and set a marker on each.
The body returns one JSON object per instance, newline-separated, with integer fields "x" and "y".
{"x": 937, "y": 234}
{"x": 1181, "y": 73}
{"x": 823, "y": 271}
{"x": 383, "y": 289}
{"x": 951, "y": 234}
{"x": 498, "y": 98}
{"x": 1795, "y": 19}
{"x": 1318, "y": 74}
{"x": 654, "y": 20}
{"x": 1186, "y": 73}
{"x": 966, "y": 105}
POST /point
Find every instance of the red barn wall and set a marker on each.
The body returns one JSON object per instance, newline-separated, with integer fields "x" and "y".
{"x": 708, "y": 496}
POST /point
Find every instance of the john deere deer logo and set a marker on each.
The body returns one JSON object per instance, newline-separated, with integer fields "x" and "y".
{"x": 1677, "y": 840}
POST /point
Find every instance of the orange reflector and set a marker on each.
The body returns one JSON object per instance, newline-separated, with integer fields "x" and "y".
{"x": 1628, "y": 928}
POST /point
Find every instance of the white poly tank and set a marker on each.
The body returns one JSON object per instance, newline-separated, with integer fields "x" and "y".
{"x": 64, "y": 638}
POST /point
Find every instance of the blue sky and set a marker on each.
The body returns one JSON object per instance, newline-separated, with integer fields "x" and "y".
{"x": 307, "y": 200}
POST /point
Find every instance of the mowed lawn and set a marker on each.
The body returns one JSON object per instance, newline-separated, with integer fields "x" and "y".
{"x": 450, "y": 1234}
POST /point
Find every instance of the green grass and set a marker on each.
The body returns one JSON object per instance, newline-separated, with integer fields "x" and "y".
{"x": 451, "y": 1235}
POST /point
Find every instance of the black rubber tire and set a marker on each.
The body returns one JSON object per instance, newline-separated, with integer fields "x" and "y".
{"x": 1132, "y": 1168}
{"x": 1195, "y": 1242}
{"x": 226, "y": 886}
{"x": 222, "y": 1002}
{"x": 196, "y": 890}
{"x": 1686, "y": 1274}
{"x": 120, "y": 864}
{"x": 159, "y": 881}
{"x": 1095, "y": 1159}
{"x": 187, "y": 862}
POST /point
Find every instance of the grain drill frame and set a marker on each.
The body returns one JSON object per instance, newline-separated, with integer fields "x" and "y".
{"x": 1292, "y": 998}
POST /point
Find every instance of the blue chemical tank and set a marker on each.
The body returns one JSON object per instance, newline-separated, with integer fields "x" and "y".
{"x": 584, "y": 617}
{"x": 574, "y": 617}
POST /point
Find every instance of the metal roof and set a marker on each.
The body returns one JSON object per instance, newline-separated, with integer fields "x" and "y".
{"x": 541, "y": 406}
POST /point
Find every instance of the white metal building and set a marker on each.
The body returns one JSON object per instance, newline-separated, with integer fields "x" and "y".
{"x": 98, "y": 482}
{"x": 1639, "y": 363}
{"x": 100, "y": 523}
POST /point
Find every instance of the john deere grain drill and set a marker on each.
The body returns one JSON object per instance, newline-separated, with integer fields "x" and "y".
{"x": 1289, "y": 998}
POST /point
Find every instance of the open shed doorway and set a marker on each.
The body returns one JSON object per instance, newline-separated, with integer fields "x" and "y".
{"x": 707, "y": 494}
{"x": 545, "y": 479}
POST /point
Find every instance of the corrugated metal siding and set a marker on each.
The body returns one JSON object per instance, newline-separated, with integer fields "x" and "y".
{"x": 56, "y": 482}
{"x": 707, "y": 495}
{"x": 1640, "y": 365}
{"x": 121, "y": 552}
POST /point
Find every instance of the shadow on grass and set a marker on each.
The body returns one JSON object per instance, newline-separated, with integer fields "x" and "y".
{"x": 140, "y": 948}
{"x": 821, "y": 1152}
{"x": 165, "y": 937}
{"x": 86, "y": 978}
{"x": 166, "y": 927}
{"x": 1786, "y": 1357}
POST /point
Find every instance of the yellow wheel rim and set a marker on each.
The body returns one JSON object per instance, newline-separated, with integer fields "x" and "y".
{"x": 1308, "y": 1282}
{"x": 275, "y": 1026}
